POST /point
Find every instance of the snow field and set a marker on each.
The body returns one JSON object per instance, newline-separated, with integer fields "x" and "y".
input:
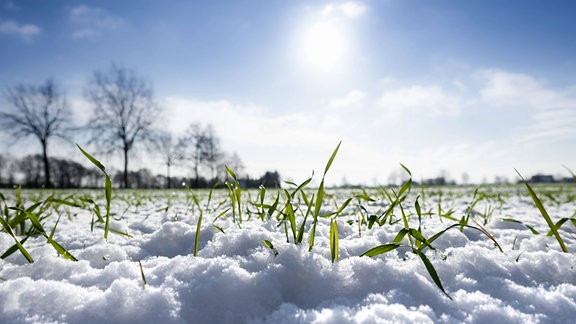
{"x": 237, "y": 279}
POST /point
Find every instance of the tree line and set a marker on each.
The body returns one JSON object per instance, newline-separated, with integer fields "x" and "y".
{"x": 67, "y": 173}
{"x": 125, "y": 118}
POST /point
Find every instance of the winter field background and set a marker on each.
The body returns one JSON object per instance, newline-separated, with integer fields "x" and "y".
{"x": 248, "y": 268}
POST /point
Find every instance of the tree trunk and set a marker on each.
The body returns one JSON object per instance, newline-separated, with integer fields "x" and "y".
{"x": 168, "y": 175}
{"x": 125, "y": 167}
{"x": 46, "y": 164}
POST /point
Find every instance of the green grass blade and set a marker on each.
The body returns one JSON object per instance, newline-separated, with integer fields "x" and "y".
{"x": 198, "y": 225}
{"x": 107, "y": 188}
{"x": 381, "y": 249}
{"x": 532, "y": 229}
{"x": 238, "y": 193}
{"x": 19, "y": 245}
{"x": 54, "y": 228}
{"x": 334, "y": 240}
{"x": 561, "y": 222}
{"x": 222, "y": 213}
{"x": 96, "y": 209}
{"x": 108, "y": 191}
{"x": 292, "y": 183}
{"x": 142, "y": 275}
{"x": 231, "y": 173}
{"x": 332, "y": 157}
{"x": 364, "y": 196}
{"x": 269, "y": 244}
{"x": 64, "y": 202}
{"x": 15, "y": 248}
{"x": 319, "y": 199}
{"x": 544, "y": 213}
{"x": 312, "y": 236}
{"x": 405, "y": 188}
{"x": 488, "y": 235}
{"x": 35, "y": 221}
{"x": 61, "y": 250}
{"x": 274, "y": 205}
{"x": 302, "y": 185}
{"x": 92, "y": 159}
{"x": 344, "y": 205}
{"x": 300, "y": 235}
{"x": 406, "y": 169}
{"x": 232, "y": 200}
{"x": 261, "y": 196}
{"x": 416, "y": 234}
{"x": 219, "y": 229}
{"x": 431, "y": 271}
{"x": 320, "y": 196}
{"x": 115, "y": 231}
{"x": 235, "y": 196}
{"x": 418, "y": 212}
{"x": 271, "y": 247}
{"x": 291, "y": 216}
{"x": 401, "y": 235}
{"x": 20, "y": 218}
{"x": 317, "y": 206}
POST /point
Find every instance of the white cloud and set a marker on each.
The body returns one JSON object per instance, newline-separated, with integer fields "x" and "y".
{"x": 26, "y": 31}
{"x": 512, "y": 89}
{"x": 349, "y": 9}
{"x": 286, "y": 142}
{"x": 254, "y": 121}
{"x": 552, "y": 111}
{"x": 92, "y": 21}
{"x": 427, "y": 98}
{"x": 552, "y": 123}
{"x": 352, "y": 99}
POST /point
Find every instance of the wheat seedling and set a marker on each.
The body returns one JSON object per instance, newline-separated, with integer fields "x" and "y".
{"x": 107, "y": 188}
{"x": 320, "y": 197}
{"x": 544, "y": 213}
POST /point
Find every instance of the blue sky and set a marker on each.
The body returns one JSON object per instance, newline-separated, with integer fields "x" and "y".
{"x": 476, "y": 87}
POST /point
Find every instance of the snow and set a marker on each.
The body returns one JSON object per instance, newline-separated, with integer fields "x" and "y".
{"x": 237, "y": 279}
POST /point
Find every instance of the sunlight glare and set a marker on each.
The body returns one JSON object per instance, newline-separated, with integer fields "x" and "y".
{"x": 324, "y": 46}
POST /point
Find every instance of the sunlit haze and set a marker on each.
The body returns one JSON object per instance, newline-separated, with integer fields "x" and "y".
{"x": 469, "y": 90}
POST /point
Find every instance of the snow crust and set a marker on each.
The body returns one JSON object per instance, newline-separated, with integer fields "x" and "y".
{"x": 237, "y": 279}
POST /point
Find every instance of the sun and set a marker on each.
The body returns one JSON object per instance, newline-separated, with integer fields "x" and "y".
{"x": 324, "y": 46}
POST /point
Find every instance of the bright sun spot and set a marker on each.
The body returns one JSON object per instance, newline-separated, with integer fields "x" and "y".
{"x": 324, "y": 46}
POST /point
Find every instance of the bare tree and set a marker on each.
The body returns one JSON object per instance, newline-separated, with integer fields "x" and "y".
{"x": 194, "y": 145}
{"x": 125, "y": 111}
{"x": 212, "y": 153}
{"x": 171, "y": 152}
{"x": 202, "y": 147}
{"x": 38, "y": 111}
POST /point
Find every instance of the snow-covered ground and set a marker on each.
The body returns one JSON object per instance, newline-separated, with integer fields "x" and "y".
{"x": 236, "y": 278}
